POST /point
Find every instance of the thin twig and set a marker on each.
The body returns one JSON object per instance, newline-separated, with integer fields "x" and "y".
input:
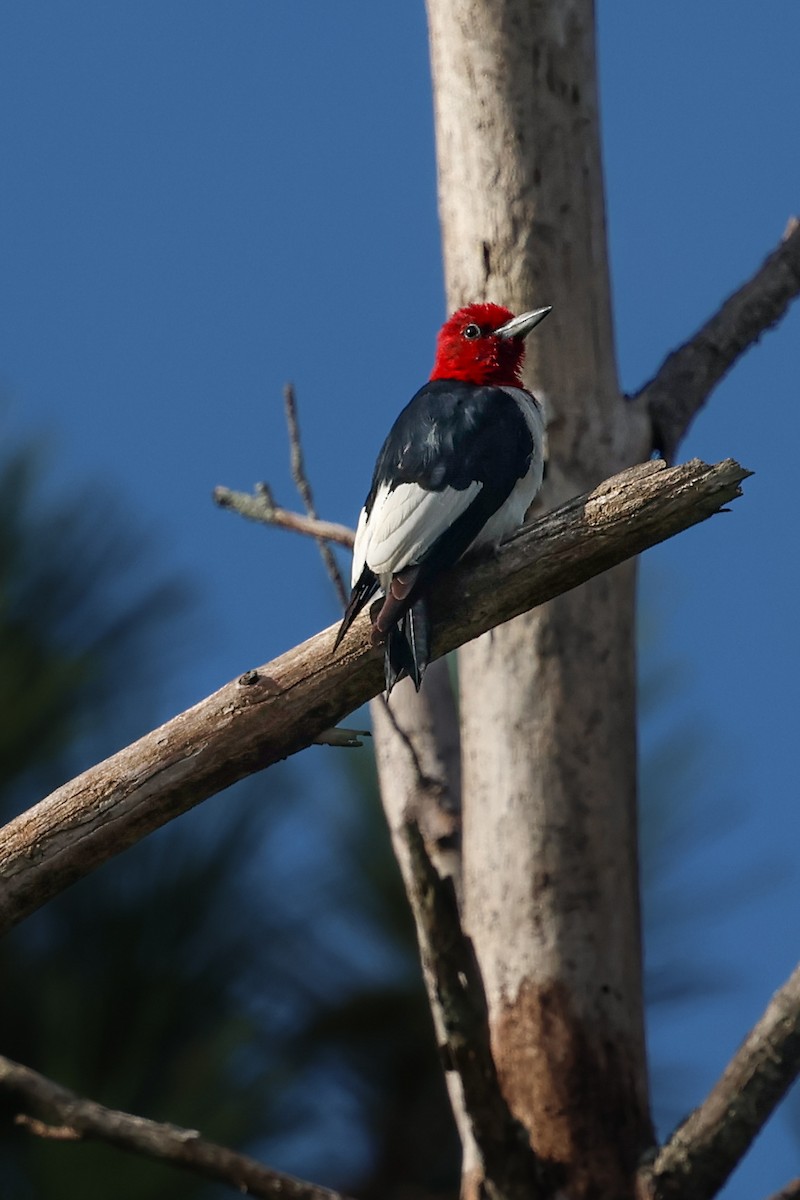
{"x": 700, "y": 1155}
{"x": 259, "y": 506}
{"x": 448, "y": 955}
{"x": 79, "y": 1118}
{"x": 54, "y": 1133}
{"x": 304, "y": 488}
{"x": 419, "y": 769}
{"x": 348, "y": 738}
{"x": 685, "y": 379}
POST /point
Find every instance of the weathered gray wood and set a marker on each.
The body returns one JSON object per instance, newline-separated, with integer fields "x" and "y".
{"x": 548, "y": 704}
{"x": 275, "y": 710}
{"x": 684, "y": 381}
{"x": 697, "y": 1159}
{"x": 68, "y": 1117}
{"x": 417, "y": 754}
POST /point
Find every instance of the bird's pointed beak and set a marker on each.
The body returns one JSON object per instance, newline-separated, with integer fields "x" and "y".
{"x": 520, "y": 327}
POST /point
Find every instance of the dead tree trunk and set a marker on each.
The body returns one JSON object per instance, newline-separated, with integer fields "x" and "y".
{"x": 548, "y": 703}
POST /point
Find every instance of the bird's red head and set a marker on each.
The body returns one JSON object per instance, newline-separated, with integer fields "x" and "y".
{"x": 484, "y": 344}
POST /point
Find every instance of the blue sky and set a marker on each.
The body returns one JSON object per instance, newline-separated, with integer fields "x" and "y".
{"x": 203, "y": 200}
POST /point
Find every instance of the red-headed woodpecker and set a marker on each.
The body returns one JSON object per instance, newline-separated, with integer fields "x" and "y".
{"x": 459, "y": 469}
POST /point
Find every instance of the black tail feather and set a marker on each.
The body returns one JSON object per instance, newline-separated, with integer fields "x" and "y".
{"x": 417, "y": 628}
{"x": 395, "y": 658}
{"x": 408, "y": 639}
{"x": 408, "y": 647}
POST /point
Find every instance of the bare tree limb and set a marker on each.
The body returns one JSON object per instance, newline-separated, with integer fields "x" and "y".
{"x": 260, "y": 506}
{"x": 701, "y": 1154}
{"x": 272, "y": 712}
{"x": 79, "y": 1119}
{"x": 685, "y": 379}
{"x": 417, "y": 752}
{"x": 418, "y": 758}
{"x": 447, "y": 954}
{"x": 306, "y": 495}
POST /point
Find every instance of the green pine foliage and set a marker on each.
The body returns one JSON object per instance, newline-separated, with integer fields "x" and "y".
{"x": 129, "y": 987}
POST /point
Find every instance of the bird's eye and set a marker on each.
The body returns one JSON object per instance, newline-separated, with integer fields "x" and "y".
{"x": 472, "y": 331}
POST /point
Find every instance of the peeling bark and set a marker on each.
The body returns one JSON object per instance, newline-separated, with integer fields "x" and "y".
{"x": 560, "y": 1065}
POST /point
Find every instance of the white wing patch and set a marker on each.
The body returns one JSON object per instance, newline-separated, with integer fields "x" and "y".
{"x": 359, "y": 548}
{"x": 403, "y": 524}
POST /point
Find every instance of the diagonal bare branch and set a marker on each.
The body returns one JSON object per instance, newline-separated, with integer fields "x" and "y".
{"x": 688, "y": 375}
{"x": 700, "y": 1155}
{"x": 68, "y": 1117}
{"x": 278, "y": 709}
